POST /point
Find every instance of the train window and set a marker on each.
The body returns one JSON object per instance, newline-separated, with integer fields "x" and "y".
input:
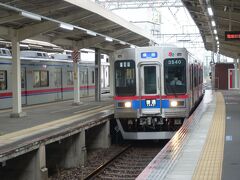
{"x": 93, "y": 77}
{"x": 3, "y": 80}
{"x": 22, "y": 79}
{"x": 175, "y": 76}
{"x": 125, "y": 78}
{"x": 69, "y": 78}
{"x": 150, "y": 83}
{"x": 41, "y": 79}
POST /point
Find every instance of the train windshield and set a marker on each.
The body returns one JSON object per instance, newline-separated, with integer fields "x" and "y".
{"x": 125, "y": 78}
{"x": 175, "y": 76}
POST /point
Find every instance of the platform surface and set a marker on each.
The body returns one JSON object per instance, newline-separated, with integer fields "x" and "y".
{"x": 207, "y": 146}
{"x": 44, "y": 113}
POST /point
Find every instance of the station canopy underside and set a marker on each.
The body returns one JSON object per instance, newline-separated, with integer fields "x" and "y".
{"x": 84, "y": 14}
{"x": 226, "y": 14}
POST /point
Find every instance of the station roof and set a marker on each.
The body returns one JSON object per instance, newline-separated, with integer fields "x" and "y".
{"x": 89, "y": 24}
{"x": 226, "y": 14}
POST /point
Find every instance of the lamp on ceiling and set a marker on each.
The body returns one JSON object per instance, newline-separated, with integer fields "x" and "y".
{"x": 66, "y": 26}
{"x": 31, "y": 16}
{"x": 213, "y": 23}
{"x": 108, "y": 39}
{"x": 91, "y": 33}
{"x": 210, "y": 12}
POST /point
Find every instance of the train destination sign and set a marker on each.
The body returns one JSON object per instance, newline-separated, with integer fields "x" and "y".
{"x": 232, "y": 35}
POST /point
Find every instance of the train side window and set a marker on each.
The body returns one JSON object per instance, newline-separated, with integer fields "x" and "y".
{"x": 3, "y": 80}
{"x": 41, "y": 79}
{"x": 44, "y": 79}
{"x": 69, "y": 78}
{"x": 93, "y": 77}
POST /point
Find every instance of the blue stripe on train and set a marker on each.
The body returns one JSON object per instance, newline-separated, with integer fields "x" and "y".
{"x": 136, "y": 104}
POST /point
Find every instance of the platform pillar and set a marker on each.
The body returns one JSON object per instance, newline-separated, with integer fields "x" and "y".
{"x": 100, "y": 136}
{"x": 97, "y": 74}
{"x": 36, "y": 168}
{"x": 75, "y": 151}
{"x": 76, "y": 77}
{"x": 16, "y": 80}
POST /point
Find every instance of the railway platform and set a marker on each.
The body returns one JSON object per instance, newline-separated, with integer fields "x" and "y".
{"x": 206, "y": 146}
{"x": 50, "y": 134}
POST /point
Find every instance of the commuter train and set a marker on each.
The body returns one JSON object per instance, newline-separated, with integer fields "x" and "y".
{"x": 44, "y": 79}
{"x": 155, "y": 90}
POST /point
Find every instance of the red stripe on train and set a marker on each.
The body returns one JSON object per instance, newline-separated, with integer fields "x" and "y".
{"x": 184, "y": 96}
{"x": 7, "y": 94}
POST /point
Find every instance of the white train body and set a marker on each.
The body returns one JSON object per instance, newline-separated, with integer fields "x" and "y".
{"x": 148, "y": 103}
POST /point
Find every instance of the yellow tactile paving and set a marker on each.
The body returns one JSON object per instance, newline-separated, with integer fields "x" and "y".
{"x": 210, "y": 162}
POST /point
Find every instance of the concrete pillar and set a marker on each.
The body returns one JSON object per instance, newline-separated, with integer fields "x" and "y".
{"x": 36, "y": 168}
{"x": 16, "y": 80}
{"x": 99, "y": 136}
{"x": 111, "y": 74}
{"x": 31, "y": 165}
{"x": 74, "y": 151}
{"x": 236, "y": 73}
{"x": 97, "y": 75}
{"x": 76, "y": 77}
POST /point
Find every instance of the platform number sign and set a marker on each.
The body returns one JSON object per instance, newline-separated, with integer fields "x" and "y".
{"x": 75, "y": 55}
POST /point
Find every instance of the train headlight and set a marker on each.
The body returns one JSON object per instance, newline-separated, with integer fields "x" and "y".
{"x": 128, "y": 104}
{"x": 173, "y": 103}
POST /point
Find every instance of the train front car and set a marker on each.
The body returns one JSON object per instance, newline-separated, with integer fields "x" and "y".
{"x": 151, "y": 98}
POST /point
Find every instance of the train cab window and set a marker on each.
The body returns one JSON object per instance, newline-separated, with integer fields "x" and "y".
{"x": 41, "y": 79}
{"x": 150, "y": 83}
{"x": 3, "y": 80}
{"x": 125, "y": 78}
{"x": 175, "y": 76}
{"x": 69, "y": 78}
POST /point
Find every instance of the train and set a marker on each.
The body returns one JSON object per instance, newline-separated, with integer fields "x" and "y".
{"x": 155, "y": 89}
{"x": 46, "y": 78}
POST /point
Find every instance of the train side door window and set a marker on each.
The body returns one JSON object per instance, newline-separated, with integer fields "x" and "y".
{"x": 41, "y": 79}
{"x": 22, "y": 79}
{"x": 69, "y": 78}
{"x": 3, "y": 80}
{"x": 93, "y": 77}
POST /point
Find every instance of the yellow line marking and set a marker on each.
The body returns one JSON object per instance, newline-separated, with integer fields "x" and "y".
{"x": 96, "y": 107}
{"x": 210, "y": 162}
{"x": 56, "y": 123}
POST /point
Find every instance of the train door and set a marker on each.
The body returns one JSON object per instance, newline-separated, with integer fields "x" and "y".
{"x": 150, "y": 89}
{"x": 84, "y": 81}
{"x": 58, "y": 84}
{"x": 24, "y": 85}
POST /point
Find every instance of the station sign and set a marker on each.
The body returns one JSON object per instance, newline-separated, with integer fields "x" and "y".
{"x": 232, "y": 35}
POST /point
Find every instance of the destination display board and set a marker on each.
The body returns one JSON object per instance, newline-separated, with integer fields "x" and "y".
{"x": 232, "y": 35}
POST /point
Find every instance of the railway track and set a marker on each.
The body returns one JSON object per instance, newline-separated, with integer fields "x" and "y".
{"x": 118, "y": 162}
{"x": 127, "y": 164}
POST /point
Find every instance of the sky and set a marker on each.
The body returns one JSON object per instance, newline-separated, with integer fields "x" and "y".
{"x": 169, "y": 21}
